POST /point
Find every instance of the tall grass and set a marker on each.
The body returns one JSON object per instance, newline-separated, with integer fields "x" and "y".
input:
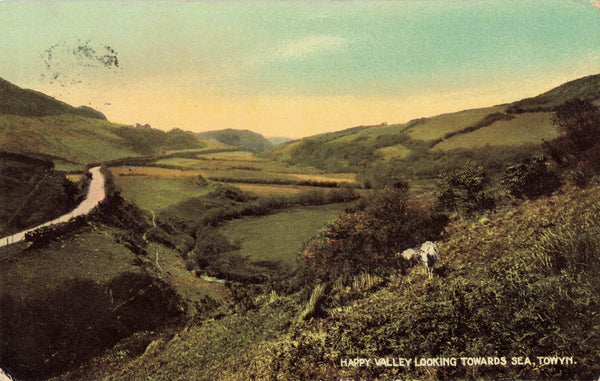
{"x": 572, "y": 247}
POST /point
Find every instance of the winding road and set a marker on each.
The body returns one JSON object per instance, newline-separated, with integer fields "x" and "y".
{"x": 94, "y": 196}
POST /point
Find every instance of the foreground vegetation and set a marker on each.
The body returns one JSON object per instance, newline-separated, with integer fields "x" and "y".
{"x": 520, "y": 281}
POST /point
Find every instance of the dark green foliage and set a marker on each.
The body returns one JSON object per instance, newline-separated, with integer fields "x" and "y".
{"x": 147, "y": 141}
{"x": 62, "y": 328}
{"x": 179, "y": 139}
{"x": 209, "y": 244}
{"x": 365, "y": 240}
{"x": 531, "y": 178}
{"x": 578, "y": 148}
{"x": 464, "y": 189}
{"x": 243, "y": 139}
{"x": 42, "y": 236}
{"x": 423, "y": 164}
{"x": 31, "y": 192}
{"x": 344, "y": 156}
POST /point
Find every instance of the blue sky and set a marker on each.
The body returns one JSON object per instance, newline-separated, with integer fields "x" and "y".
{"x": 296, "y": 68}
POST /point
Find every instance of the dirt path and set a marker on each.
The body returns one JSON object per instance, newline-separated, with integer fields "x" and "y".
{"x": 95, "y": 195}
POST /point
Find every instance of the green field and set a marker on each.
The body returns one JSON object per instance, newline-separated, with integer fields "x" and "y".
{"x": 438, "y": 126}
{"x": 524, "y": 128}
{"x": 155, "y": 193}
{"x": 279, "y": 236}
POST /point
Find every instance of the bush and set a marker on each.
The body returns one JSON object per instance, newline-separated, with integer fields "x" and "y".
{"x": 530, "y": 178}
{"x": 366, "y": 239}
{"x": 464, "y": 189}
{"x": 209, "y": 244}
{"x": 579, "y": 145}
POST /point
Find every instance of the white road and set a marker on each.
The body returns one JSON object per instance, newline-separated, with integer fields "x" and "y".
{"x": 95, "y": 195}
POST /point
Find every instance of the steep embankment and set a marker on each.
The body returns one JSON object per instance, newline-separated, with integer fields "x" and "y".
{"x": 95, "y": 195}
{"x": 31, "y": 192}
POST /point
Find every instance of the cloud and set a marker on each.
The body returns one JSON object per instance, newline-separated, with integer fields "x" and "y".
{"x": 305, "y": 47}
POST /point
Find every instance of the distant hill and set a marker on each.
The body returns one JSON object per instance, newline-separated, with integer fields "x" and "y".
{"x": 243, "y": 139}
{"x": 34, "y": 123}
{"x": 17, "y": 101}
{"x": 278, "y": 140}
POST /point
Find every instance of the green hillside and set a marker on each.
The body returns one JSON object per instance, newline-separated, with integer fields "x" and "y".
{"x": 31, "y": 122}
{"x": 586, "y": 88}
{"x": 17, "y": 101}
{"x": 495, "y": 135}
{"x": 244, "y": 139}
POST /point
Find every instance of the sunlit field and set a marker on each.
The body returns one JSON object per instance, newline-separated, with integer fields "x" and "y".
{"x": 437, "y": 127}
{"x": 524, "y": 128}
{"x": 152, "y": 172}
{"x": 156, "y": 193}
{"x": 278, "y": 237}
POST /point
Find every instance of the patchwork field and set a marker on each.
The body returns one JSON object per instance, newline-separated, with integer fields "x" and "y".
{"x": 393, "y": 152}
{"x": 437, "y": 127}
{"x": 279, "y": 237}
{"x": 524, "y": 128}
{"x": 156, "y": 193}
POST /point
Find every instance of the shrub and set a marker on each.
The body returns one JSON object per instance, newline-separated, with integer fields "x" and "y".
{"x": 530, "y": 178}
{"x": 579, "y": 145}
{"x": 209, "y": 244}
{"x": 464, "y": 189}
{"x": 365, "y": 240}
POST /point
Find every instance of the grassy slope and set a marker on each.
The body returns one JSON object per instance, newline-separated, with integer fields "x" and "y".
{"x": 287, "y": 231}
{"x": 80, "y": 140}
{"x": 31, "y": 122}
{"x": 524, "y": 128}
{"x": 489, "y": 297}
{"x": 586, "y": 88}
{"x": 17, "y": 101}
{"x": 528, "y": 121}
{"x": 156, "y": 193}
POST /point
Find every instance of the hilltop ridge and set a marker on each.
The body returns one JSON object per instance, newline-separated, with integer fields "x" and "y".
{"x": 24, "y": 102}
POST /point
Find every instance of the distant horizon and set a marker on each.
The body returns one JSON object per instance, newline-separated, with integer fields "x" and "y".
{"x": 294, "y": 69}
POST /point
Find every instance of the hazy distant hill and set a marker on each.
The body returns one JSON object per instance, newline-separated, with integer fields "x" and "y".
{"x": 243, "y": 139}
{"x": 279, "y": 140}
{"x": 485, "y": 131}
{"x": 17, "y": 101}
{"x": 31, "y": 122}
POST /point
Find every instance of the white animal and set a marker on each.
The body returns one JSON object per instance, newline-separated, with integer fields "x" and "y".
{"x": 429, "y": 256}
{"x": 412, "y": 256}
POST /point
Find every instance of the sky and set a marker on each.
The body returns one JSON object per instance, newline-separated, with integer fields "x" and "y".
{"x": 297, "y": 68}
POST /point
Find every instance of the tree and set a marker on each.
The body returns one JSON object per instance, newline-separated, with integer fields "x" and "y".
{"x": 579, "y": 123}
{"x": 530, "y": 178}
{"x": 464, "y": 189}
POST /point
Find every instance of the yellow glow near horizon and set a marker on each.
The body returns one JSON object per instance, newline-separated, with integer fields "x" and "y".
{"x": 165, "y": 106}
